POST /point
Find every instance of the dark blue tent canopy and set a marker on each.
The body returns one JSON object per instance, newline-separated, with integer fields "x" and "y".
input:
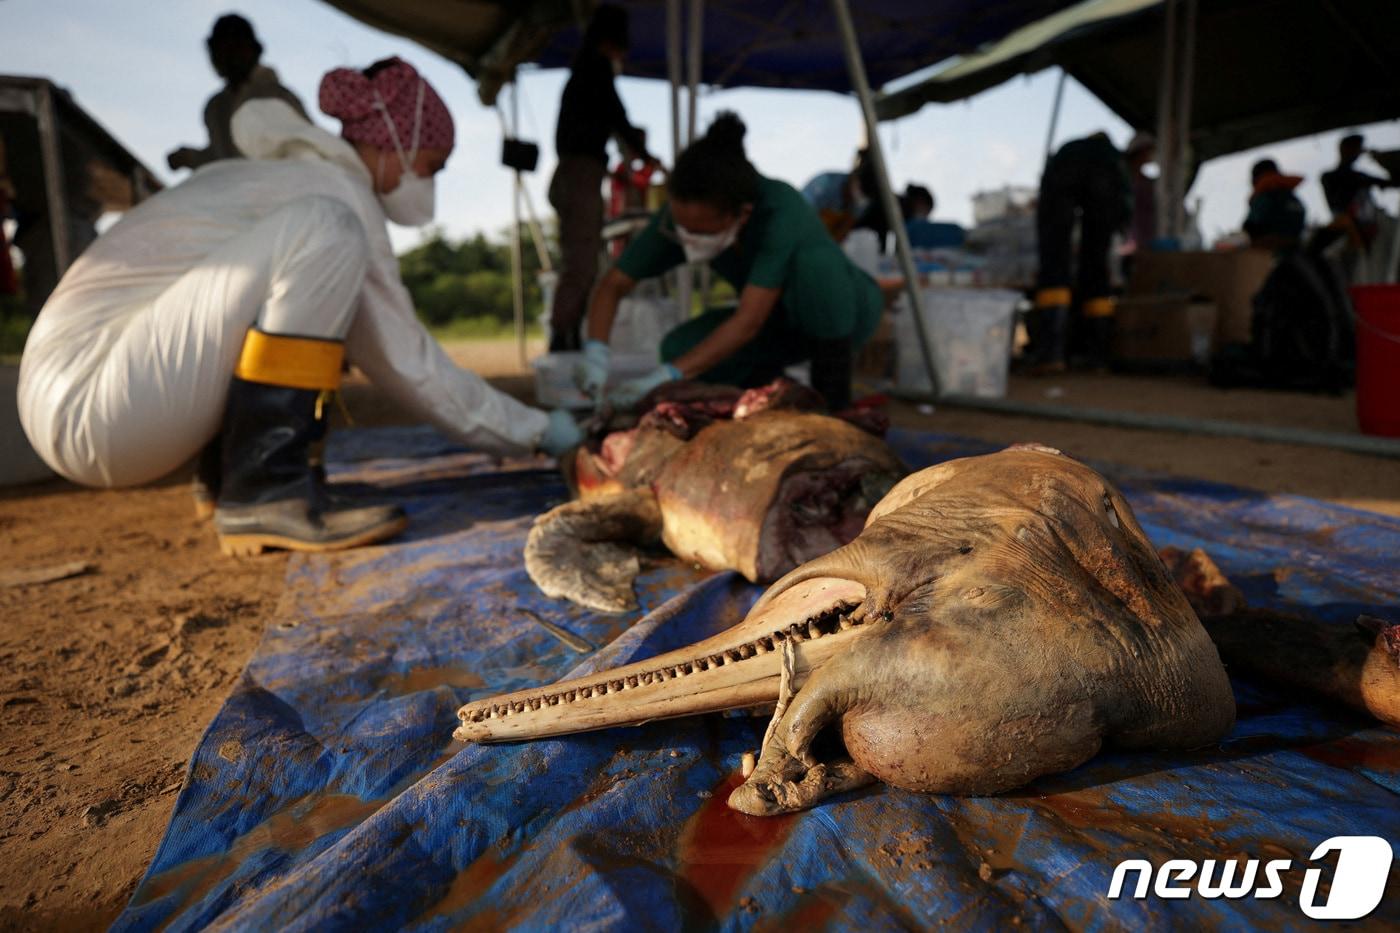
{"x": 763, "y": 43}
{"x": 796, "y": 43}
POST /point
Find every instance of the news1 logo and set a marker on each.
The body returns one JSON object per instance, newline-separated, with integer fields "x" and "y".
{"x": 1363, "y": 865}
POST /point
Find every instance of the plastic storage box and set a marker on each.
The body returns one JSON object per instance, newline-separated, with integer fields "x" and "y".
{"x": 969, "y": 332}
{"x": 554, "y": 377}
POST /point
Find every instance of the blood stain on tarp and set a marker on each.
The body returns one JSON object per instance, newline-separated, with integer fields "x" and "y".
{"x": 1352, "y": 753}
{"x": 994, "y": 836}
{"x": 290, "y": 829}
{"x": 428, "y": 678}
{"x": 472, "y": 882}
{"x": 814, "y": 911}
{"x": 720, "y": 848}
{"x": 1091, "y": 809}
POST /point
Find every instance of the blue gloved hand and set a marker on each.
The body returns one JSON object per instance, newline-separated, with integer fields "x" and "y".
{"x": 562, "y": 434}
{"x": 629, "y": 393}
{"x": 591, "y": 373}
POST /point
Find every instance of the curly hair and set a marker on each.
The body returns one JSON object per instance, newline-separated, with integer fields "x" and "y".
{"x": 714, "y": 169}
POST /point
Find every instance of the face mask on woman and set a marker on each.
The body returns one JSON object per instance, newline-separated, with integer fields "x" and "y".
{"x": 702, "y": 247}
{"x": 411, "y": 203}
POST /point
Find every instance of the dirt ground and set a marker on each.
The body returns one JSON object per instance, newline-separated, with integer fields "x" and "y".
{"x": 108, "y": 678}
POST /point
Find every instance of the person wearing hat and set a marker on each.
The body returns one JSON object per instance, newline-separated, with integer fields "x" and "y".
{"x": 590, "y": 113}
{"x": 1276, "y": 217}
{"x": 1089, "y": 181}
{"x": 223, "y": 309}
{"x": 236, "y": 54}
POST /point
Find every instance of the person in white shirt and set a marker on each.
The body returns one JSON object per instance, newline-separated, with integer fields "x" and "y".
{"x": 227, "y": 305}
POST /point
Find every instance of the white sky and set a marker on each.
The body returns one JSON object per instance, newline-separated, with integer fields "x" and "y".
{"x": 140, "y": 68}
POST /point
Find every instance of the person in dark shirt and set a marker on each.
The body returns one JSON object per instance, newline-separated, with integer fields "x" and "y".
{"x": 1348, "y": 191}
{"x": 589, "y": 114}
{"x": 236, "y": 54}
{"x": 924, "y": 232}
{"x": 1088, "y": 180}
{"x": 1276, "y": 216}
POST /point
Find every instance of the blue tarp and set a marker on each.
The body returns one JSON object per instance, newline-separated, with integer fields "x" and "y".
{"x": 328, "y": 794}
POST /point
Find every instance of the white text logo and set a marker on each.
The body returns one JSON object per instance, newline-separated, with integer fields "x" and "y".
{"x": 1363, "y": 864}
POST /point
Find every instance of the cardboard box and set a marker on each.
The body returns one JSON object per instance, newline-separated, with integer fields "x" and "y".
{"x": 1229, "y": 279}
{"x": 1172, "y": 331}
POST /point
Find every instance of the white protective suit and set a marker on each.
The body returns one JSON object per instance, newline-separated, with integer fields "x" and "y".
{"x": 125, "y": 373}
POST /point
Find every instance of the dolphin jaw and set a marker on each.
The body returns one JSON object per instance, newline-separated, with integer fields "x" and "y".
{"x": 737, "y": 668}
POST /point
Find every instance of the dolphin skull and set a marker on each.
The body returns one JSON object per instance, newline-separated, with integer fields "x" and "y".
{"x": 999, "y": 618}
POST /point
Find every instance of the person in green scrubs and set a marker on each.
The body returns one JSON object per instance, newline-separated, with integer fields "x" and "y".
{"x": 800, "y": 298}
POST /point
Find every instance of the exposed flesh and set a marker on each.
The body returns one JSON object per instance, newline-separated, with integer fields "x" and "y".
{"x": 998, "y": 619}
{"x": 1357, "y": 666}
{"x": 758, "y": 496}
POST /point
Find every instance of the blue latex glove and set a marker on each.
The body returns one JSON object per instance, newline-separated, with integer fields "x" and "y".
{"x": 591, "y": 373}
{"x": 562, "y": 434}
{"x": 629, "y": 393}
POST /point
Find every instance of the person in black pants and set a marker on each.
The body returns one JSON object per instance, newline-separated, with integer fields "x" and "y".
{"x": 1088, "y": 180}
{"x": 589, "y": 114}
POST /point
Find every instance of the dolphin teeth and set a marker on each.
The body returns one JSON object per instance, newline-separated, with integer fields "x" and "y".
{"x": 812, "y": 630}
{"x": 846, "y": 623}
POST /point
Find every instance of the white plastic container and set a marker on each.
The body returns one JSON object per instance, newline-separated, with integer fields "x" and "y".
{"x": 969, "y": 332}
{"x": 643, "y": 319}
{"x": 554, "y": 377}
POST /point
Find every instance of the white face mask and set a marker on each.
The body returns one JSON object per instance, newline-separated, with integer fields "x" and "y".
{"x": 411, "y": 203}
{"x": 702, "y": 247}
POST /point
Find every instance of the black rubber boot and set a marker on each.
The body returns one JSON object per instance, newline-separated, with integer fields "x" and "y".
{"x": 204, "y": 487}
{"x": 1098, "y": 344}
{"x": 833, "y": 362}
{"x": 270, "y": 496}
{"x": 1052, "y": 333}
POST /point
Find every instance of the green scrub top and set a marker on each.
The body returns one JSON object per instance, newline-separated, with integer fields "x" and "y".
{"x": 785, "y": 246}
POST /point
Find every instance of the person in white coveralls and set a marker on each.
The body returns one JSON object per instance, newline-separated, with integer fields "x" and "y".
{"x": 223, "y": 309}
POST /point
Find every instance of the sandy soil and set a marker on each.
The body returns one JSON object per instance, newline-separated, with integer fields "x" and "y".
{"x": 109, "y": 678}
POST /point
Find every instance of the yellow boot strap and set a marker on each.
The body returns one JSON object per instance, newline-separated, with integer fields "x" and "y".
{"x": 293, "y": 362}
{"x": 1052, "y": 297}
{"x": 1100, "y": 307}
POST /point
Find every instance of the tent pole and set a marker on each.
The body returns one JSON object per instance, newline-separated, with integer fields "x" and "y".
{"x": 694, "y": 60}
{"x": 517, "y": 264}
{"x": 1055, "y": 116}
{"x": 532, "y": 220}
{"x": 1185, "y": 89}
{"x": 54, "y": 183}
{"x": 1166, "y": 146}
{"x": 855, "y": 67}
{"x": 675, "y": 71}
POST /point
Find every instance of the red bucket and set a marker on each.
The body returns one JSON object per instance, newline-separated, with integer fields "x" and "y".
{"x": 1378, "y": 358}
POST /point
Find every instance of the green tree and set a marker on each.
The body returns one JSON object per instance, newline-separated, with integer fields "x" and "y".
{"x": 469, "y": 279}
